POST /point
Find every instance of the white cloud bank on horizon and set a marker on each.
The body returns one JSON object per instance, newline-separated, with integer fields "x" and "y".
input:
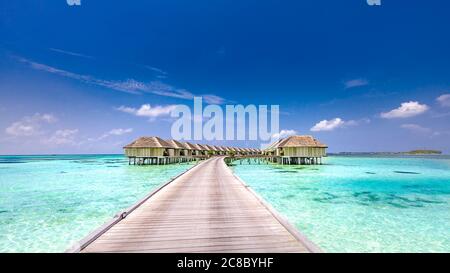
{"x": 406, "y": 110}
{"x": 332, "y": 124}
{"x": 130, "y": 86}
{"x": 416, "y": 128}
{"x": 424, "y": 131}
{"x": 63, "y": 137}
{"x": 355, "y": 83}
{"x": 29, "y": 125}
{"x": 34, "y": 129}
{"x": 444, "y": 100}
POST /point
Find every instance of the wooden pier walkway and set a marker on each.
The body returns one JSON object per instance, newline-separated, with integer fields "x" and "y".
{"x": 207, "y": 209}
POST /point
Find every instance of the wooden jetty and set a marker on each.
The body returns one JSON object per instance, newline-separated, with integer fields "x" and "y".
{"x": 206, "y": 209}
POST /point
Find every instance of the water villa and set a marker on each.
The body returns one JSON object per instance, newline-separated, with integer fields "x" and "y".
{"x": 293, "y": 150}
{"x": 297, "y": 150}
{"x": 149, "y": 150}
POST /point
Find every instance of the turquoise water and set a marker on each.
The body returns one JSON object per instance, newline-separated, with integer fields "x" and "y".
{"x": 351, "y": 204}
{"x": 362, "y": 204}
{"x": 48, "y": 203}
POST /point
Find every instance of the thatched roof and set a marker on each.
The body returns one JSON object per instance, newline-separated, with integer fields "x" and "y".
{"x": 177, "y": 144}
{"x": 300, "y": 141}
{"x": 219, "y": 148}
{"x": 210, "y": 147}
{"x": 149, "y": 142}
{"x": 191, "y": 146}
{"x": 274, "y": 145}
{"x": 156, "y": 142}
{"x": 203, "y": 147}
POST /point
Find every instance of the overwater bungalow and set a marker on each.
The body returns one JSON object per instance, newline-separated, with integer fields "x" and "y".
{"x": 291, "y": 150}
{"x": 221, "y": 150}
{"x": 204, "y": 149}
{"x": 227, "y": 150}
{"x": 211, "y": 149}
{"x": 218, "y": 150}
{"x": 297, "y": 150}
{"x": 231, "y": 150}
{"x": 241, "y": 151}
{"x": 271, "y": 149}
{"x": 179, "y": 148}
{"x": 193, "y": 150}
{"x": 150, "y": 150}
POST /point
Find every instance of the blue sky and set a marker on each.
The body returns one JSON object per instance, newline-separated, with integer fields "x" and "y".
{"x": 77, "y": 79}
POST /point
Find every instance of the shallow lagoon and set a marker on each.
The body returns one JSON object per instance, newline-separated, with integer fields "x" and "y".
{"x": 359, "y": 204}
{"x": 362, "y": 204}
{"x": 48, "y": 203}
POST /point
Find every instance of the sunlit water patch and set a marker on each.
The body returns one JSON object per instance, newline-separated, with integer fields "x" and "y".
{"x": 48, "y": 203}
{"x": 362, "y": 204}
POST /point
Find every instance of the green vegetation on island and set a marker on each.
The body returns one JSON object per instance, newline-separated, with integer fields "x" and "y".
{"x": 423, "y": 152}
{"x": 413, "y": 152}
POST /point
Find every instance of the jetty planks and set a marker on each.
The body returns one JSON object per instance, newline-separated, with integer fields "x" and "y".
{"x": 207, "y": 209}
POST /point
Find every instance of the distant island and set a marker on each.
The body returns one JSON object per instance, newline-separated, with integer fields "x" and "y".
{"x": 423, "y": 152}
{"x": 413, "y": 152}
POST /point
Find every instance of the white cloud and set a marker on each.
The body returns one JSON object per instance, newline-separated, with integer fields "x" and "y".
{"x": 29, "y": 126}
{"x": 157, "y": 70}
{"x": 416, "y": 128}
{"x": 71, "y": 53}
{"x": 355, "y": 83}
{"x": 63, "y": 137}
{"x": 406, "y": 110}
{"x": 116, "y": 132}
{"x": 119, "y": 132}
{"x": 440, "y": 115}
{"x": 330, "y": 125}
{"x": 283, "y": 134}
{"x": 444, "y": 100}
{"x": 213, "y": 99}
{"x": 128, "y": 86}
{"x": 147, "y": 110}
